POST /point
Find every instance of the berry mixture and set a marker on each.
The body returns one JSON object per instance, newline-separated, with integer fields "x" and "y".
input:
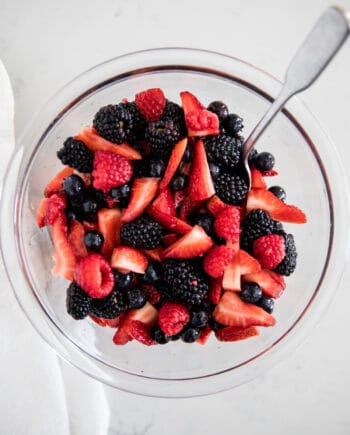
{"x": 154, "y": 226}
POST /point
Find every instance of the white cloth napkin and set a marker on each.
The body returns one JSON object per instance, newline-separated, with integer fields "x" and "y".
{"x": 39, "y": 394}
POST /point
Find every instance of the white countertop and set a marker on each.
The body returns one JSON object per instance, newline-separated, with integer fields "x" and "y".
{"x": 44, "y": 44}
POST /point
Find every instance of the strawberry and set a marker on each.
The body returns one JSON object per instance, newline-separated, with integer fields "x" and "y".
{"x": 165, "y": 202}
{"x": 153, "y": 295}
{"x": 278, "y": 210}
{"x": 188, "y": 207}
{"x": 227, "y": 223}
{"x": 109, "y": 224}
{"x": 201, "y": 123}
{"x": 173, "y": 163}
{"x": 270, "y": 173}
{"x": 151, "y": 103}
{"x": 216, "y": 260}
{"x": 257, "y": 179}
{"x": 172, "y": 317}
{"x": 94, "y": 274}
{"x": 269, "y": 250}
{"x": 192, "y": 244}
{"x": 41, "y": 212}
{"x": 232, "y": 311}
{"x": 155, "y": 254}
{"x": 126, "y": 259}
{"x": 55, "y": 204}
{"x": 247, "y": 263}
{"x": 112, "y": 323}
{"x": 169, "y": 239}
{"x": 142, "y": 193}
{"x": 215, "y": 290}
{"x": 110, "y": 170}
{"x": 55, "y": 185}
{"x": 140, "y": 332}
{"x": 200, "y": 186}
{"x": 205, "y": 334}
{"x": 100, "y": 322}
{"x": 90, "y": 226}
{"x": 215, "y": 205}
{"x": 190, "y": 102}
{"x": 76, "y": 239}
{"x": 64, "y": 256}
{"x": 94, "y": 142}
{"x": 272, "y": 284}
{"x": 232, "y": 275}
{"x": 170, "y": 223}
{"x": 179, "y": 197}
{"x": 236, "y": 333}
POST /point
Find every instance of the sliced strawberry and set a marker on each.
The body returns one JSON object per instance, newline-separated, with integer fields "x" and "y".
{"x": 109, "y": 225}
{"x": 193, "y": 244}
{"x": 190, "y": 102}
{"x": 232, "y": 311}
{"x": 247, "y": 263}
{"x": 188, "y": 207}
{"x": 90, "y": 226}
{"x": 140, "y": 332}
{"x": 142, "y": 193}
{"x": 205, "y": 334}
{"x": 236, "y": 333}
{"x": 201, "y": 123}
{"x": 151, "y": 103}
{"x": 165, "y": 202}
{"x": 169, "y": 239}
{"x": 215, "y": 290}
{"x": 100, "y": 322}
{"x": 76, "y": 239}
{"x": 94, "y": 142}
{"x": 112, "y": 323}
{"x": 270, "y": 173}
{"x": 41, "y": 212}
{"x": 155, "y": 254}
{"x": 173, "y": 163}
{"x": 278, "y": 210}
{"x": 200, "y": 186}
{"x": 170, "y": 223}
{"x": 64, "y": 256}
{"x": 257, "y": 179}
{"x": 55, "y": 204}
{"x": 179, "y": 197}
{"x": 232, "y": 276}
{"x": 127, "y": 259}
{"x": 55, "y": 185}
{"x": 272, "y": 284}
{"x": 215, "y": 205}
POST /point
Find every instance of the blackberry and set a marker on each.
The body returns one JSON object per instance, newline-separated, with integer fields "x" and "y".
{"x": 257, "y": 223}
{"x": 224, "y": 150}
{"x": 162, "y": 136}
{"x": 288, "y": 264}
{"x": 110, "y": 306}
{"x": 138, "y": 121}
{"x": 76, "y": 154}
{"x": 78, "y": 302}
{"x": 233, "y": 124}
{"x": 142, "y": 233}
{"x": 114, "y": 123}
{"x": 149, "y": 167}
{"x": 175, "y": 113}
{"x": 166, "y": 292}
{"x": 231, "y": 188}
{"x": 188, "y": 285}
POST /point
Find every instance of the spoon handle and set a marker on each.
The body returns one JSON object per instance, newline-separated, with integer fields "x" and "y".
{"x": 313, "y": 56}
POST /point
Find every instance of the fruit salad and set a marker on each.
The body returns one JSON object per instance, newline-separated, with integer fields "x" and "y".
{"x": 155, "y": 229}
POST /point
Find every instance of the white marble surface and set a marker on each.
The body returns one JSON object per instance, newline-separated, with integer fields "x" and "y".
{"x": 46, "y": 43}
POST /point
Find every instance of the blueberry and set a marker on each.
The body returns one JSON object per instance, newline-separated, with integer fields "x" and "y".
{"x": 205, "y": 221}
{"x": 73, "y": 185}
{"x": 188, "y": 154}
{"x": 158, "y": 335}
{"x": 179, "y": 181}
{"x": 251, "y": 292}
{"x": 264, "y": 161}
{"x": 233, "y": 124}
{"x": 93, "y": 240}
{"x": 215, "y": 326}
{"x": 175, "y": 337}
{"x": 136, "y": 298}
{"x": 153, "y": 273}
{"x": 279, "y": 192}
{"x": 122, "y": 281}
{"x": 215, "y": 170}
{"x": 266, "y": 304}
{"x": 189, "y": 335}
{"x": 219, "y": 108}
{"x": 199, "y": 319}
{"x": 120, "y": 192}
{"x": 156, "y": 168}
{"x": 90, "y": 208}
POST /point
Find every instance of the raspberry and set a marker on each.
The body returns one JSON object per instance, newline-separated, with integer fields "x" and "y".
{"x": 78, "y": 302}
{"x": 110, "y": 170}
{"x": 227, "y": 223}
{"x": 269, "y": 250}
{"x": 172, "y": 317}
{"x": 94, "y": 274}
{"x": 76, "y": 154}
{"x": 140, "y": 332}
{"x": 114, "y": 123}
{"x": 216, "y": 260}
{"x": 151, "y": 104}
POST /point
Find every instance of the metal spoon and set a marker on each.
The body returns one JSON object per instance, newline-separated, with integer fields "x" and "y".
{"x": 313, "y": 56}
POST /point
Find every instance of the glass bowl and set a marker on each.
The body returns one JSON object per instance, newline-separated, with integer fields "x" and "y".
{"x": 309, "y": 170}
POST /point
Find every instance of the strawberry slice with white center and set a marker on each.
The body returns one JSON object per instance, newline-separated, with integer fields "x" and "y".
{"x": 232, "y": 311}
{"x": 127, "y": 259}
{"x": 64, "y": 256}
{"x": 193, "y": 244}
{"x": 200, "y": 186}
{"x": 272, "y": 284}
{"x": 278, "y": 210}
{"x": 169, "y": 222}
{"x": 142, "y": 193}
{"x": 231, "y": 279}
{"x": 236, "y": 333}
{"x": 174, "y": 162}
{"x": 109, "y": 225}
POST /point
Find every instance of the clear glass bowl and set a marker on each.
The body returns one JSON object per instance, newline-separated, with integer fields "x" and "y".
{"x": 309, "y": 170}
